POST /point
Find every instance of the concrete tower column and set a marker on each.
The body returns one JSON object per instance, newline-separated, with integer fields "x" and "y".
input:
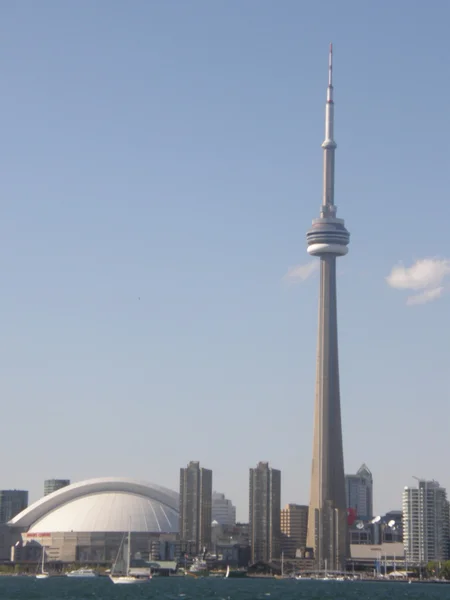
{"x": 328, "y": 239}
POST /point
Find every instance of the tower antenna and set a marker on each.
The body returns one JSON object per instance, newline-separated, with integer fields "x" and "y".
{"x": 330, "y": 66}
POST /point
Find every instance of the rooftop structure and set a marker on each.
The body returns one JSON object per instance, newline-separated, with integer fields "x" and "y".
{"x": 106, "y": 504}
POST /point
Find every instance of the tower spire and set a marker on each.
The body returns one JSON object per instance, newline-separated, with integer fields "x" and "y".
{"x": 329, "y": 145}
{"x": 330, "y": 75}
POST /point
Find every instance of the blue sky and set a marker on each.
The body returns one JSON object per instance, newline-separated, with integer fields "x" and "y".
{"x": 161, "y": 164}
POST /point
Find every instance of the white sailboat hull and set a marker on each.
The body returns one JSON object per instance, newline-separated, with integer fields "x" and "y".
{"x": 42, "y": 576}
{"x": 129, "y": 579}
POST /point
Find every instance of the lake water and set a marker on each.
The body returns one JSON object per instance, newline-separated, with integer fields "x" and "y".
{"x": 209, "y": 588}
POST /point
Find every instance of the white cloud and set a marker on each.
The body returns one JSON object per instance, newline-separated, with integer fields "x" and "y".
{"x": 426, "y": 296}
{"x": 301, "y": 272}
{"x": 427, "y": 274}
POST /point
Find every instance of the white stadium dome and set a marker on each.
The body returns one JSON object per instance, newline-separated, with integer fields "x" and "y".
{"x": 108, "y": 504}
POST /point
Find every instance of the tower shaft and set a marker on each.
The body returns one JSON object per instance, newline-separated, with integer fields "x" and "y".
{"x": 327, "y": 522}
{"x": 328, "y": 239}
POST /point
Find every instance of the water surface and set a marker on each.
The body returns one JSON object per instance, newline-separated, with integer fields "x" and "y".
{"x": 210, "y": 588}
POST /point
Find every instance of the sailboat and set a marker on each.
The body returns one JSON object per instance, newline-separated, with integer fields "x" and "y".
{"x": 128, "y": 578}
{"x": 227, "y": 574}
{"x": 43, "y": 574}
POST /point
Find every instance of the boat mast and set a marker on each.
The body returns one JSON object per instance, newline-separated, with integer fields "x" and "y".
{"x": 129, "y": 547}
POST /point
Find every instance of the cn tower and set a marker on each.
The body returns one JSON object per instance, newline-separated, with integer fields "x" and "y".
{"x": 328, "y": 239}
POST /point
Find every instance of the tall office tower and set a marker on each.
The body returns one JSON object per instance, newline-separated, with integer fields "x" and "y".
{"x": 223, "y": 510}
{"x": 328, "y": 239}
{"x": 195, "y": 505}
{"x": 12, "y": 502}
{"x": 264, "y": 513}
{"x": 294, "y": 526}
{"x": 425, "y": 523}
{"x": 359, "y": 493}
{"x": 51, "y": 485}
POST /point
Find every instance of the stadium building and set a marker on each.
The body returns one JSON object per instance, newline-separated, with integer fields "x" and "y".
{"x": 85, "y": 522}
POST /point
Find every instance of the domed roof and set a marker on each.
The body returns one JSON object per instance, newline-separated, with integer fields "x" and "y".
{"x": 103, "y": 505}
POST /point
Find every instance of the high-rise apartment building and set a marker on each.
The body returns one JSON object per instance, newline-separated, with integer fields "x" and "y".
{"x": 425, "y": 523}
{"x": 359, "y": 493}
{"x": 294, "y": 526}
{"x": 264, "y": 513}
{"x": 12, "y": 502}
{"x": 195, "y": 505}
{"x": 223, "y": 510}
{"x": 52, "y": 485}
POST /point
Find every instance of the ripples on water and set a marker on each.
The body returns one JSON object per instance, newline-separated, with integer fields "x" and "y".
{"x": 180, "y": 588}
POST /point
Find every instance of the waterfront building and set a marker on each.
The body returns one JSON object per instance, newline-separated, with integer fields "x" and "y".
{"x": 383, "y": 558}
{"x": 361, "y": 533}
{"x": 425, "y": 523}
{"x": 386, "y": 529}
{"x": 264, "y": 513}
{"x": 294, "y": 526}
{"x": 196, "y": 505}
{"x": 52, "y": 485}
{"x": 359, "y": 493}
{"x": 223, "y": 510}
{"x": 12, "y": 502}
{"x": 328, "y": 239}
{"x": 392, "y": 532}
{"x": 86, "y": 522}
{"x": 230, "y": 544}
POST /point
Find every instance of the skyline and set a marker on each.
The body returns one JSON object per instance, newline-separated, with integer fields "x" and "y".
{"x": 160, "y": 165}
{"x": 218, "y": 493}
